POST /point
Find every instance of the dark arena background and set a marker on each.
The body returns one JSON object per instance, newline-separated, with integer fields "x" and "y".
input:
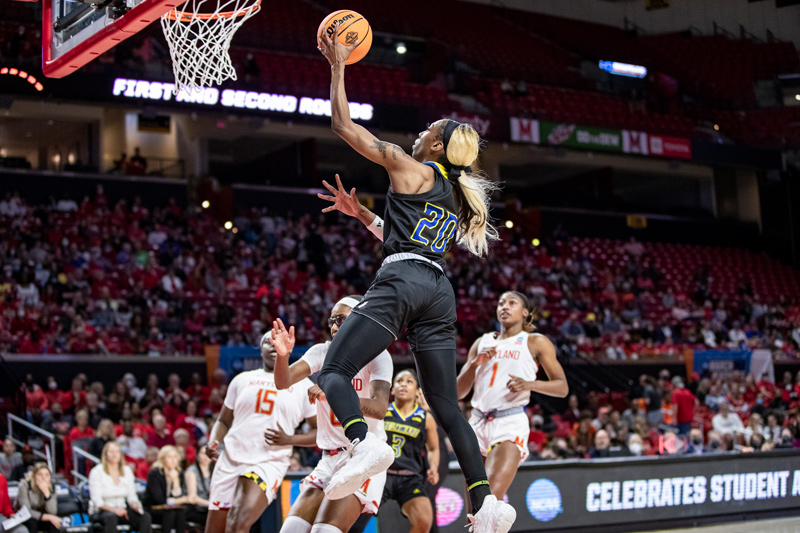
{"x": 648, "y": 153}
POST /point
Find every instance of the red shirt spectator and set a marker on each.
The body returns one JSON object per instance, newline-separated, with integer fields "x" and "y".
{"x": 685, "y": 403}
{"x": 36, "y": 398}
{"x": 5, "y": 502}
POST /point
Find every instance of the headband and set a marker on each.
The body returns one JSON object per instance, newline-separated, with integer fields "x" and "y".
{"x": 449, "y": 128}
{"x": 266, "y": 337}
{"x": 348, "y": 301}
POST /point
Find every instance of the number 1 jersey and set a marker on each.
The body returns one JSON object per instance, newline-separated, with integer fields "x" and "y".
{"x": 491, "y": 378}
{"x": 422, "y": 224}
{"x": 258, "y": 405}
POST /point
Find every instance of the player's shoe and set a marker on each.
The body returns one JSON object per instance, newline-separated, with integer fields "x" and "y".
{"x": 495, "y": 516}
{"x": 367, "y": 458}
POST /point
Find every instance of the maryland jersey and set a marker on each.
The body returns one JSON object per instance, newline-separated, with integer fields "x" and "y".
{"x": 257, "y": 405}
{"x": 512, "y": 358}
{"x": 330, "y": 434}
{"x": 423, "y": 224}
{"x": 407, "y": 437}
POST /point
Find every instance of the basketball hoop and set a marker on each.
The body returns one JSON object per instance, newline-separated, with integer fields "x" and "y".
{"x": 199, "y": 40}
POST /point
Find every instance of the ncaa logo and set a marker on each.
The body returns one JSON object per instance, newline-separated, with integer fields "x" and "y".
{"x": 544, "y": 500}
{"x": 237, "y": 365}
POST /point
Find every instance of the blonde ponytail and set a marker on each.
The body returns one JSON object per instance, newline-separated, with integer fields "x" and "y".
{"x": 473, "y": 188}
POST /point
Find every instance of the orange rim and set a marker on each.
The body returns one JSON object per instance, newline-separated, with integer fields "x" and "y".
{"x": 185, "y": 16}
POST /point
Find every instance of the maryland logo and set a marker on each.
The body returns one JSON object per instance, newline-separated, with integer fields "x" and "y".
{"x": 350, "y": 38}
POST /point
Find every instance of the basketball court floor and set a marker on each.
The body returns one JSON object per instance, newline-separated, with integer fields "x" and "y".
{"x": 779, "y": 525}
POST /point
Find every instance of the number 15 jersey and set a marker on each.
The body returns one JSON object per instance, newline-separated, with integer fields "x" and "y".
{"x": 422, "y": 224}
{"x": 258, "y": 405}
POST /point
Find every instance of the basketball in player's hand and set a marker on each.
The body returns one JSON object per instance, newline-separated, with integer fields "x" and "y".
{"x": 353, "y": 30}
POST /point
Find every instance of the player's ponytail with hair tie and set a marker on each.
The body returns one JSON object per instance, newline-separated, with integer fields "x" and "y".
{"x": 461, "y": 144}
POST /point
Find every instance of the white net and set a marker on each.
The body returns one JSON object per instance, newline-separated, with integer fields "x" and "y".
{"x": 199, "y": 35}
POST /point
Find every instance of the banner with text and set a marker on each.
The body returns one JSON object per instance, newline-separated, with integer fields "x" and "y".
{"x": 643, "y": 143}
{"x": 580, "y": 494}
{"x": 721, "y": 363}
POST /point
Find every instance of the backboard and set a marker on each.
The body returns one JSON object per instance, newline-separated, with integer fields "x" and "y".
{"x": 74, "y": 32}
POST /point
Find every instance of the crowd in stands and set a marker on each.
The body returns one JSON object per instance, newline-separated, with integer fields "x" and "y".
{"x": 90, "y": 277}
{"x": 666, "y": 416}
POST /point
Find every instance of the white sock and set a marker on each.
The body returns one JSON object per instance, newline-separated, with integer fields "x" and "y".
{"x": 325, "y": 528}
{"x": 295, "y": 524}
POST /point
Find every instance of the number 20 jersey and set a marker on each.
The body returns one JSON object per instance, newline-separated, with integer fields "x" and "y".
{"x": 423, "y": 224}
{"x": 258, "y": 405}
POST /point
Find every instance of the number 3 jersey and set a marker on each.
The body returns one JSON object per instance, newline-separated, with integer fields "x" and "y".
{"x": 258, "y": 405}
{"x": 330, "y": 434}
{"x": 512, "y": 358}
{"x": 407, "y": 437}
{"x": 423, "y": 224}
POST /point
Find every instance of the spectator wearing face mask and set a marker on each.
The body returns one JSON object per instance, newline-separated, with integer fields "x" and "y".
{"x": 787, "y": 439}
{"x": 696, "y": 446}
{"x": 636, "y": 445}
{"x": 715, "y": 442}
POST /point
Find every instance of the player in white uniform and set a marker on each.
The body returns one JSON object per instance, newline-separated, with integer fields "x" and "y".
{"x": 249, "y": 471}
{"x": 372, "y": 384}
{"x": 503, "y": 366}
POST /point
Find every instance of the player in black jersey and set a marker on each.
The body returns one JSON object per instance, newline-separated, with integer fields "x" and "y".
{"x": 434, "y": 196}
{"x": 413, "y": 437}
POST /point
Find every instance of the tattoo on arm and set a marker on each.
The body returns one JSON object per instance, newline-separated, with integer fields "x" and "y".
{"x": 381, "y": 146}
{"x": 394, "y": 151}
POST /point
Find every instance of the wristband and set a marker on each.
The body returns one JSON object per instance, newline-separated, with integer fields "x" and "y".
{"x": 170, "y": 501}
{"x": 376, "y": 227}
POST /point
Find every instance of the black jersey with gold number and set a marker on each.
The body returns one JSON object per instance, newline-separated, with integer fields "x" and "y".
{"x": 423, "y": 224}
{"x": 407, "y": 437}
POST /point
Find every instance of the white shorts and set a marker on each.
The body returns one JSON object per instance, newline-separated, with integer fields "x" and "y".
{"x": 268, "y": 476}
{"x": 513, "y": 428}
{"x": 369, "y": 494}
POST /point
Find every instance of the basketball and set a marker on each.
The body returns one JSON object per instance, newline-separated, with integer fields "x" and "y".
{"x": 352, "y": 26}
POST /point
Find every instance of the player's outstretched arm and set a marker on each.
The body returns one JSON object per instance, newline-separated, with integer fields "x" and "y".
{"x": 466, "y": 378}
{"x": 218, "y": 432}
{"x": 432, "y": 444}
{"x": 349, "y": 204}
{"x": 283, "y": 340}
{"x": 545, "y": 353}
{"x": 378, "y": 402}
{"x": 404, "y": 171}
{"x": 278, "y": 437}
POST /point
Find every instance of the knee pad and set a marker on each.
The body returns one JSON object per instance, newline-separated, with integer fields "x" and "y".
{"x": 325, "y": 528}
{"x": 295, "y": 524}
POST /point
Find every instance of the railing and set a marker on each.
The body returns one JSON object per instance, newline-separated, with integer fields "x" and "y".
{"x": 164, "y": 167}
{"x": 49, "y": 454}
{"x": 77, "y": 452}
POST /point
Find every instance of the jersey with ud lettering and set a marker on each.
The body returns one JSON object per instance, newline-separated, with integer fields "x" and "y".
{"x": 258, "y": 405}
{"x": 330, "y": 434}
{"x": 407, "y": 437}
{"x": 512, "y": 358}
{"x": 424, "y": 223}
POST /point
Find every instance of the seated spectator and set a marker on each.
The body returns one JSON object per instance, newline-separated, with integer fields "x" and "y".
{"x": 9, "y": 458}
{"x": 714, "y": 397}
{"x": 143, "y": 467}
{"x": 603, "y": 447}
{"x": 36, "y": 492}
{"x": 166, "y": 489}
{"x": 602, "y": 417}
{"x": 131, "y": 445}
{"x": 772, "y": 431}
{"x": 573, "y": 413}
{"x": 160, "y": 436}
{"x": 112, "y": 494}
{"x": 184, "y": 446}
{"x": 22, "y": 469}
{"x": 6, "y": 510}
{"x": 94, "y": 409}
{"x": 82, "y": 430}
{"x": 296, "y": 464}
{"x": 105, "y": 434}
{"x": 198, "y": 483}
{"x": 583, "y": 434}
{"x": 725, "y": 422}
{"x": 695, "y": 446}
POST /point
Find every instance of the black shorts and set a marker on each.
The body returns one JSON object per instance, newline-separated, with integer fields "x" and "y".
{"x": 414, "y": 295}
{"x": 403, "y": 488}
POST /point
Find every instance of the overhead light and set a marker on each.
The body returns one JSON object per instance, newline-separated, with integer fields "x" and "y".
{"x": 535, "y": 242}
{"x": 509, "y": 224}
{"x": 716, "y": 127}
{"x": 797, "y": 97}
{"x": 228, "y": 225}
{"x": 401, "y": 48}
{"x": 206, "y": 204}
